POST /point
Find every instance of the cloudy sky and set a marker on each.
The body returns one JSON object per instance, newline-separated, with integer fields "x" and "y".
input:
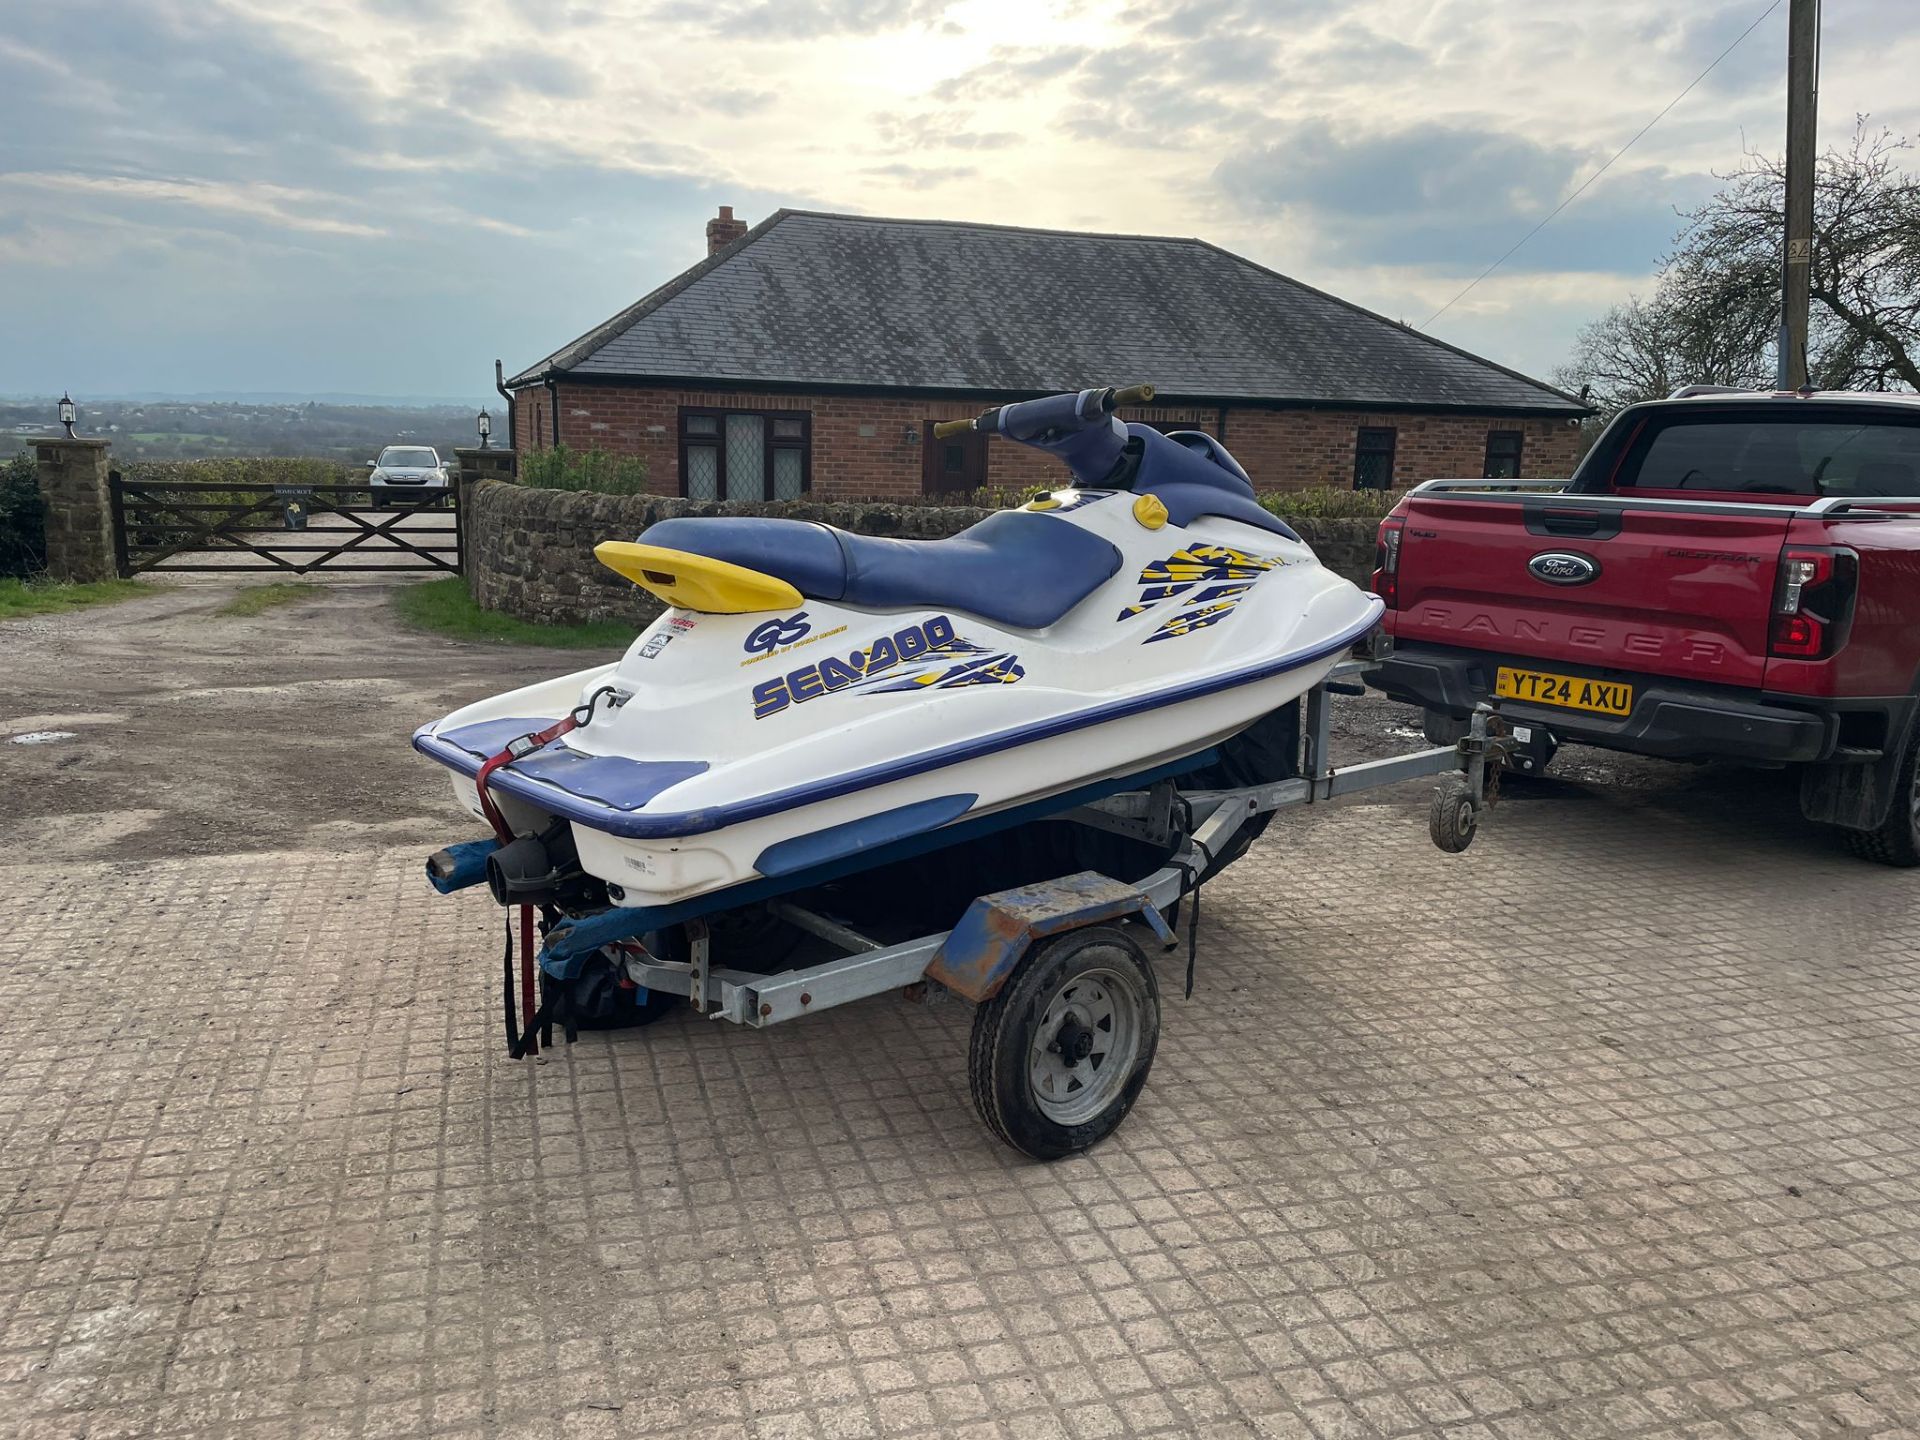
{"x": 380, "y": 196}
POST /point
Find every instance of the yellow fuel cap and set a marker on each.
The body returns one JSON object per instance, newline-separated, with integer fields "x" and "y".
{"x": 1148, "y": 510}
{"x": 1045, "y": 502}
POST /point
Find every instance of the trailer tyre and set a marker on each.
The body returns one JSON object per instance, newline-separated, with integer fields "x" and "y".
{"x": 1896, "y": 841}
{"x": 1062, "y": 1052}
{"x": 1453, "y": 817}
{"x": 596, "y": 1000}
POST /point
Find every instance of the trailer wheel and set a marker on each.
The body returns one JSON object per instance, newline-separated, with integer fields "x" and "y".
{"x": 1896, "y": 841}
{"x": 1453, "y": 817}
{"x": 1062, "y": 1052}
{"x": 598, "y": 1001}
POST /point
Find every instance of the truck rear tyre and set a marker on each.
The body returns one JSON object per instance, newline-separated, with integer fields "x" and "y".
{"x": 1062, "y": 1052}
{"x": 1896, "y": 841}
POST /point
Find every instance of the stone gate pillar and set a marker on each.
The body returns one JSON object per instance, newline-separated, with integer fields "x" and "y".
{"x": 476, "y": 465}
{"x": 73, "y": 488}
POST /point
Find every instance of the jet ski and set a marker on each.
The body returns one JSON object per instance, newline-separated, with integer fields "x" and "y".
{"x": 815, "y": 703}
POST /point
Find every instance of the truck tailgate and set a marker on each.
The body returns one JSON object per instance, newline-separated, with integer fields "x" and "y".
{"x": 1678, "y": 588}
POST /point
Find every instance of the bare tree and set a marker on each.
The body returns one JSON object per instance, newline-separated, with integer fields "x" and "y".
{"x": 1715, "y": 314}
{"x": 1648, "y": 348}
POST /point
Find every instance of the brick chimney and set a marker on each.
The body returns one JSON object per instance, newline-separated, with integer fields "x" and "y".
{"x": 724, "y": 230}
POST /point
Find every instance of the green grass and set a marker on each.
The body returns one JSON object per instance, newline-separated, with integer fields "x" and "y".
{"x": 444, "y": 607}
{"x": 256, "y": 598}
{"x": 20, "y": 598}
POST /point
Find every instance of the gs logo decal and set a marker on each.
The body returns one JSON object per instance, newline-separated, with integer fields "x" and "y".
{"x": 767, "y": 638}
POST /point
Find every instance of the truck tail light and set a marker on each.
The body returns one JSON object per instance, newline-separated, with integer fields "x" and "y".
{"x": 1813, "y": 601}
{"x": 1386, "y": 561}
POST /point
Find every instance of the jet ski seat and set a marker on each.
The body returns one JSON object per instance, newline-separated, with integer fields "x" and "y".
{"x": 1016, "y": 568}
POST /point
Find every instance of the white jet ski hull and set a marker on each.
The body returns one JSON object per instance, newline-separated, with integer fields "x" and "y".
{"x": 752, "y": 748}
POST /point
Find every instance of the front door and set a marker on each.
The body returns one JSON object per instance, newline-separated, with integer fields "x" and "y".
{"x": 958, "y": 462}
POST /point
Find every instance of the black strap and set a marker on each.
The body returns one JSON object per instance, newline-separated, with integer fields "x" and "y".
{"x": 550, "y": 989}
{"x": 513, "y": 1028}
{"x": 519, "y": 1049}
{"x": 1191, "y": 878}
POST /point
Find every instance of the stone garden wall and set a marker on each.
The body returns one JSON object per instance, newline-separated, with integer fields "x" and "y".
{"x": 530, "y": 552}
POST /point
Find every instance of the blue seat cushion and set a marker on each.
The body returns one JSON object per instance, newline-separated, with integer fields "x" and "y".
{"x": 1017, "y": 568}
{"x": 805, "y": 555}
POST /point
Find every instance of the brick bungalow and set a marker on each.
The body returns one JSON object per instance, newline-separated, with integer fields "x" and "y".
{"x": 813, "y": 352}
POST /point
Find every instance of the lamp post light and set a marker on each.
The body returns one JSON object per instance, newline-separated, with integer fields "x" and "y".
{"x": 67, "y": 412}
{"x": 485, "y": 422}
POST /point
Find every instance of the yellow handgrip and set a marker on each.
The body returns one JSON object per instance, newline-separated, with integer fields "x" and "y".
{"x": 944, "y": 429}
{"x": 696, "y": 582}
{"x": 1133, "y": 395}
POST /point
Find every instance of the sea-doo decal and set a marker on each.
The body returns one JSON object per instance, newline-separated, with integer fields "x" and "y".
{"x": 923, "y": 654}
{"x": 1212, "y": 577}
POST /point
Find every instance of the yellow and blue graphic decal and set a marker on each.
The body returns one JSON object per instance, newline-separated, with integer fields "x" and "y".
{"x": 1212, "y": 579}
{"x": 1189, "y": 621}
{"x": 980, "y": 668}
{"x": 929, "y": 655}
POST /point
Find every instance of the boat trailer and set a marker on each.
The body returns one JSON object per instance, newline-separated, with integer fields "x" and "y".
{"x": 1067, "y": 1002}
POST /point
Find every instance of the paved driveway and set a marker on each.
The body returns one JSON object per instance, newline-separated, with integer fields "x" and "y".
{"x": 1605, "y": 1128}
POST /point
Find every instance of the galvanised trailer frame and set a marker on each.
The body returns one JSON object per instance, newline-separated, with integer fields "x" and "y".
{"x": 1004, "y": 936}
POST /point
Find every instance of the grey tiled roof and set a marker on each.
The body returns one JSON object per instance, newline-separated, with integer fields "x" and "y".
{"x": 807, "y": 298}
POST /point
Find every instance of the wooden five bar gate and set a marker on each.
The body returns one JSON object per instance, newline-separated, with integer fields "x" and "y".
{"x": 208, "y": 525}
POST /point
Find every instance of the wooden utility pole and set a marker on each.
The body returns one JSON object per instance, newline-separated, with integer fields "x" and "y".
{"x": 1803, "y": 70}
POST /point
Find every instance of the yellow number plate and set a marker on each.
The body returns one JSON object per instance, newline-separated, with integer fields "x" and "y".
{"x": 1572, "y": 692}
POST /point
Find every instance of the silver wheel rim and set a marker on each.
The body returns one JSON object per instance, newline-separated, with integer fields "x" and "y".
{"x": 1106, "y": 1006}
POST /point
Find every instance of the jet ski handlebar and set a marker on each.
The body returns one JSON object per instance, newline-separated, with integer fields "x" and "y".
{"x": 1052, "y": 418}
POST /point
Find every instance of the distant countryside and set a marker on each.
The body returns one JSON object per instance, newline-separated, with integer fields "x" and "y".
{"x": 196, "y": 429}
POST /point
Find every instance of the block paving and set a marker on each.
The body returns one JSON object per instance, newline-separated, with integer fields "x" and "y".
{"x": 1608, "y": 1127}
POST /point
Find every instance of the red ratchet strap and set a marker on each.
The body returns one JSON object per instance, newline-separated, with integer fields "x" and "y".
{"x": 516, "y": 749}
{"x": 525, "y": 745}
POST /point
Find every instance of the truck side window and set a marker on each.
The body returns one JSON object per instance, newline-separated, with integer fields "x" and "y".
{"x": 1869, "y": 460}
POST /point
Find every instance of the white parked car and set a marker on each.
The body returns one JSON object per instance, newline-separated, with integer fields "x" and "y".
{"x": 406, "y": 472}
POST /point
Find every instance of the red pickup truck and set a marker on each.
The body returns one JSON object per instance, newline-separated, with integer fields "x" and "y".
{"x": 1728, "y": 575}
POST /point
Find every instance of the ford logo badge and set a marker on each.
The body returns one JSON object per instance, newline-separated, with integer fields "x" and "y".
{"x": 1563, "y": 567}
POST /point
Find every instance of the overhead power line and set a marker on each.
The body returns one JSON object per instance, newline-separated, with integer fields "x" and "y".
{"x": 1604, "y": 168}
